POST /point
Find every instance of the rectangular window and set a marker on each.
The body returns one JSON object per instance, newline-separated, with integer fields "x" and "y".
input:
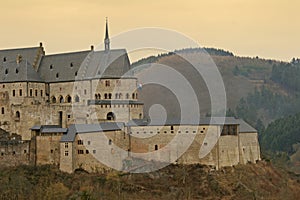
{"x": 2, "y": 110}
{"x": 85, "y": 92}
{"x": 41, "y": 93}
{"x": 80, "y": 142}
{"x": 107, "y": 83}
{"x": 36, "y": 93}
{"x": 20, "y": 92}
{"x": 14, "y": 92}
{"x": 66, "y": 145}
{"x": 89, "y": 142}
{"x": 80, "y": 151}
{"x": 30, "y": 92}
{"x": 66, "y": 153}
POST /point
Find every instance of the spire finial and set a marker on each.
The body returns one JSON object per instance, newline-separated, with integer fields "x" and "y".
{"x": 106, "y": 39}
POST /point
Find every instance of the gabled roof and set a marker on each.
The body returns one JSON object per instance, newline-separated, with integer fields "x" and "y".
{"x": 18, "y": 72}
{"x": 245, "y": 127}
{"x": 27, "y": 53}
{"x": 65, "y": 65}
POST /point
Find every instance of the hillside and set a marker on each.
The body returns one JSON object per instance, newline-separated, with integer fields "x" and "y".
{"x": 241, "y": 75}
{"x": 252, "y": 181}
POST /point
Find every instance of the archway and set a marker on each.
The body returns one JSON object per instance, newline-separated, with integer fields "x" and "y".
{"x": 110, "y": 116}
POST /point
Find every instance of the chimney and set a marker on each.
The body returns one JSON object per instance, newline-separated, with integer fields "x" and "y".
{"x": 19, "y": 58}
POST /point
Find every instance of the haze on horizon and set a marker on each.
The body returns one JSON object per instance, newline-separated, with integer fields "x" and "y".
{"x": 267, "y": 28}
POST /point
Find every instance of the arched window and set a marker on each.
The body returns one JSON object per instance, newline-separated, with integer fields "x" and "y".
{"x": 18, "y": 115}
{"x": 96, "y": 96}
{"x": 61, "y": 99}
{"x": 69, "y": 99}
{"x": 110, "y": 116}
{"x": 53, "y": 99}
{"x": 99, "y": 96}
{"x": 141, "y": 116}
{"x": 120, "y": 96}
{"x": 127, "y": 96}
{"x": 77, "y": 99}
{"x": 109, "y": 96}
{"x": 105, "y": 96}
{"x": 133, "y": 96}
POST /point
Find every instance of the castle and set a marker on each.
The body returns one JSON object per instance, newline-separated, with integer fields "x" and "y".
{"x": 82, "y": 110}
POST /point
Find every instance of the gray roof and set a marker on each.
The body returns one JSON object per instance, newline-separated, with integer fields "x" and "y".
{"x": 84, "y": 65}
{"x": 89, "y": 128}
{"x": 65, "y": 65}
{"x": 49, "y": 129}
{"x": 27, "y": 53}
{"x": 113, "y": 102}
{"x": 245, "y": 127}
{"x": 169, "y": 122}
{"x": 18, "y": 72}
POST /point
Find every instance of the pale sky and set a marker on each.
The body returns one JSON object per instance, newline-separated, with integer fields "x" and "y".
{"x": 264, "y": 28}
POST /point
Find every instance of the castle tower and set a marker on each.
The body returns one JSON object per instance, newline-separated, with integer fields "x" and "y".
{"x": 106, "y": 39}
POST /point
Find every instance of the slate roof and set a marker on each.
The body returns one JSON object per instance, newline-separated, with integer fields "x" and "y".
{"x": 18, "y": 72}
{"x": 26, "y": 53}
{"x": 245, "y": 127}
{"x": 49, "y": 129}
{"x": 113, "y": 102}
{"x": 88, "y": 128}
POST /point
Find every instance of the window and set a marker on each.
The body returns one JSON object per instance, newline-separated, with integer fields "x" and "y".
{"x": 80, "y": 151}
{"x": 69, "y": 116}
{"x": 156, "y": 147}
{"x": 14, "y": 92}
{"x": 25, "y": 151}
{"x": 66, "y": 153}
{"x": 51, "y": 67}
{"x": 76, "y": 73}
{"x": 116, "y": 96}
{"x": 6, "y": 71}
{"x": 17, "y": 71}
{"x": 2, "y": 110}
{"x": 30, "y": 92}
{"x": 109, "y": 142}
{"x": 57, "y": 75}
{"x": 140, "y": 116}
{"x": 61, "y": 99}
{"x": 84, "y": 91}
{"x": 20, "y": 92}
{"x": 133, "y": 96}
{"x": 110, "y": 116}
{"x": 4, "y": 59}
{"x": 87, "y": 151}
{"x": 80, "y": 142}
{"x": 105, "y": 96}
{"x": 53, "y": 99}
{"x": 51, "y": 150}
{"x": 76, "y": 98}
{"x": 36, "y": 93}
{"x": 71, "y": 64}
{"x": 69, "y": 99}
{"x": 89, "y": 142}
{"x": 107, "y": 83}
{"x": 41, "y": 93}
{"x": 172, "y": 128}
{"x": 127, "y": 96}
{"x": 18, "y": 115}
{"x": 94, "y": 151}
{"x": 109, "y": 96}
{"x": 66, "y": 145}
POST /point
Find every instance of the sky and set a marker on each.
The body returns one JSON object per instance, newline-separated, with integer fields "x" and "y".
{"x": 265, "y": 28}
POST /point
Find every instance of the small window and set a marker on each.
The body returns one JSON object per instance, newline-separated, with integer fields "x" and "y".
{"x": 66, "y": 153}
{"x": 14, "y": 92}
{"x": 205, "y": 143}
{"x": 107, "y": 83}
{"x": 36, "y": 93}
{"x": 80, "y": 151}
{"x": 156, "y": 147}
{"x": 87, "y": 151}
{"x": 6, "y": 71}
{"x": 2, "y": 110}
{"x": 127, "y": 96}
{"x": 51, "y": 150}
{"x": 172, "y": 128}
{"x": 25, "y": 151}
{"x": 71, "y": 64}
{"x": 4, "y": 59}
{"x": 77, "y": 99}
{"x": 89, "y": 142}
{"x": 17, "y": 71}
{"x": 66, "y": 145}
{"x": 41, "y": 93}
{"x": 57, "y": 75}
{"x": 80, "y": 142}
{"x": 76, "y": 73}
{"x": 30, "y": 92}
{"x": 51, "y": 67}
{"x": 69, "y": 116}
{"x": 20, "y": 92}
{"x": 109, "y": 142}
{"x": 85, "y": 91}
{"x": 18, "y": 115}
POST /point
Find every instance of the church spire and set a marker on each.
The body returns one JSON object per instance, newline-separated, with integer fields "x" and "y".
{"x": 106, "y": 40}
